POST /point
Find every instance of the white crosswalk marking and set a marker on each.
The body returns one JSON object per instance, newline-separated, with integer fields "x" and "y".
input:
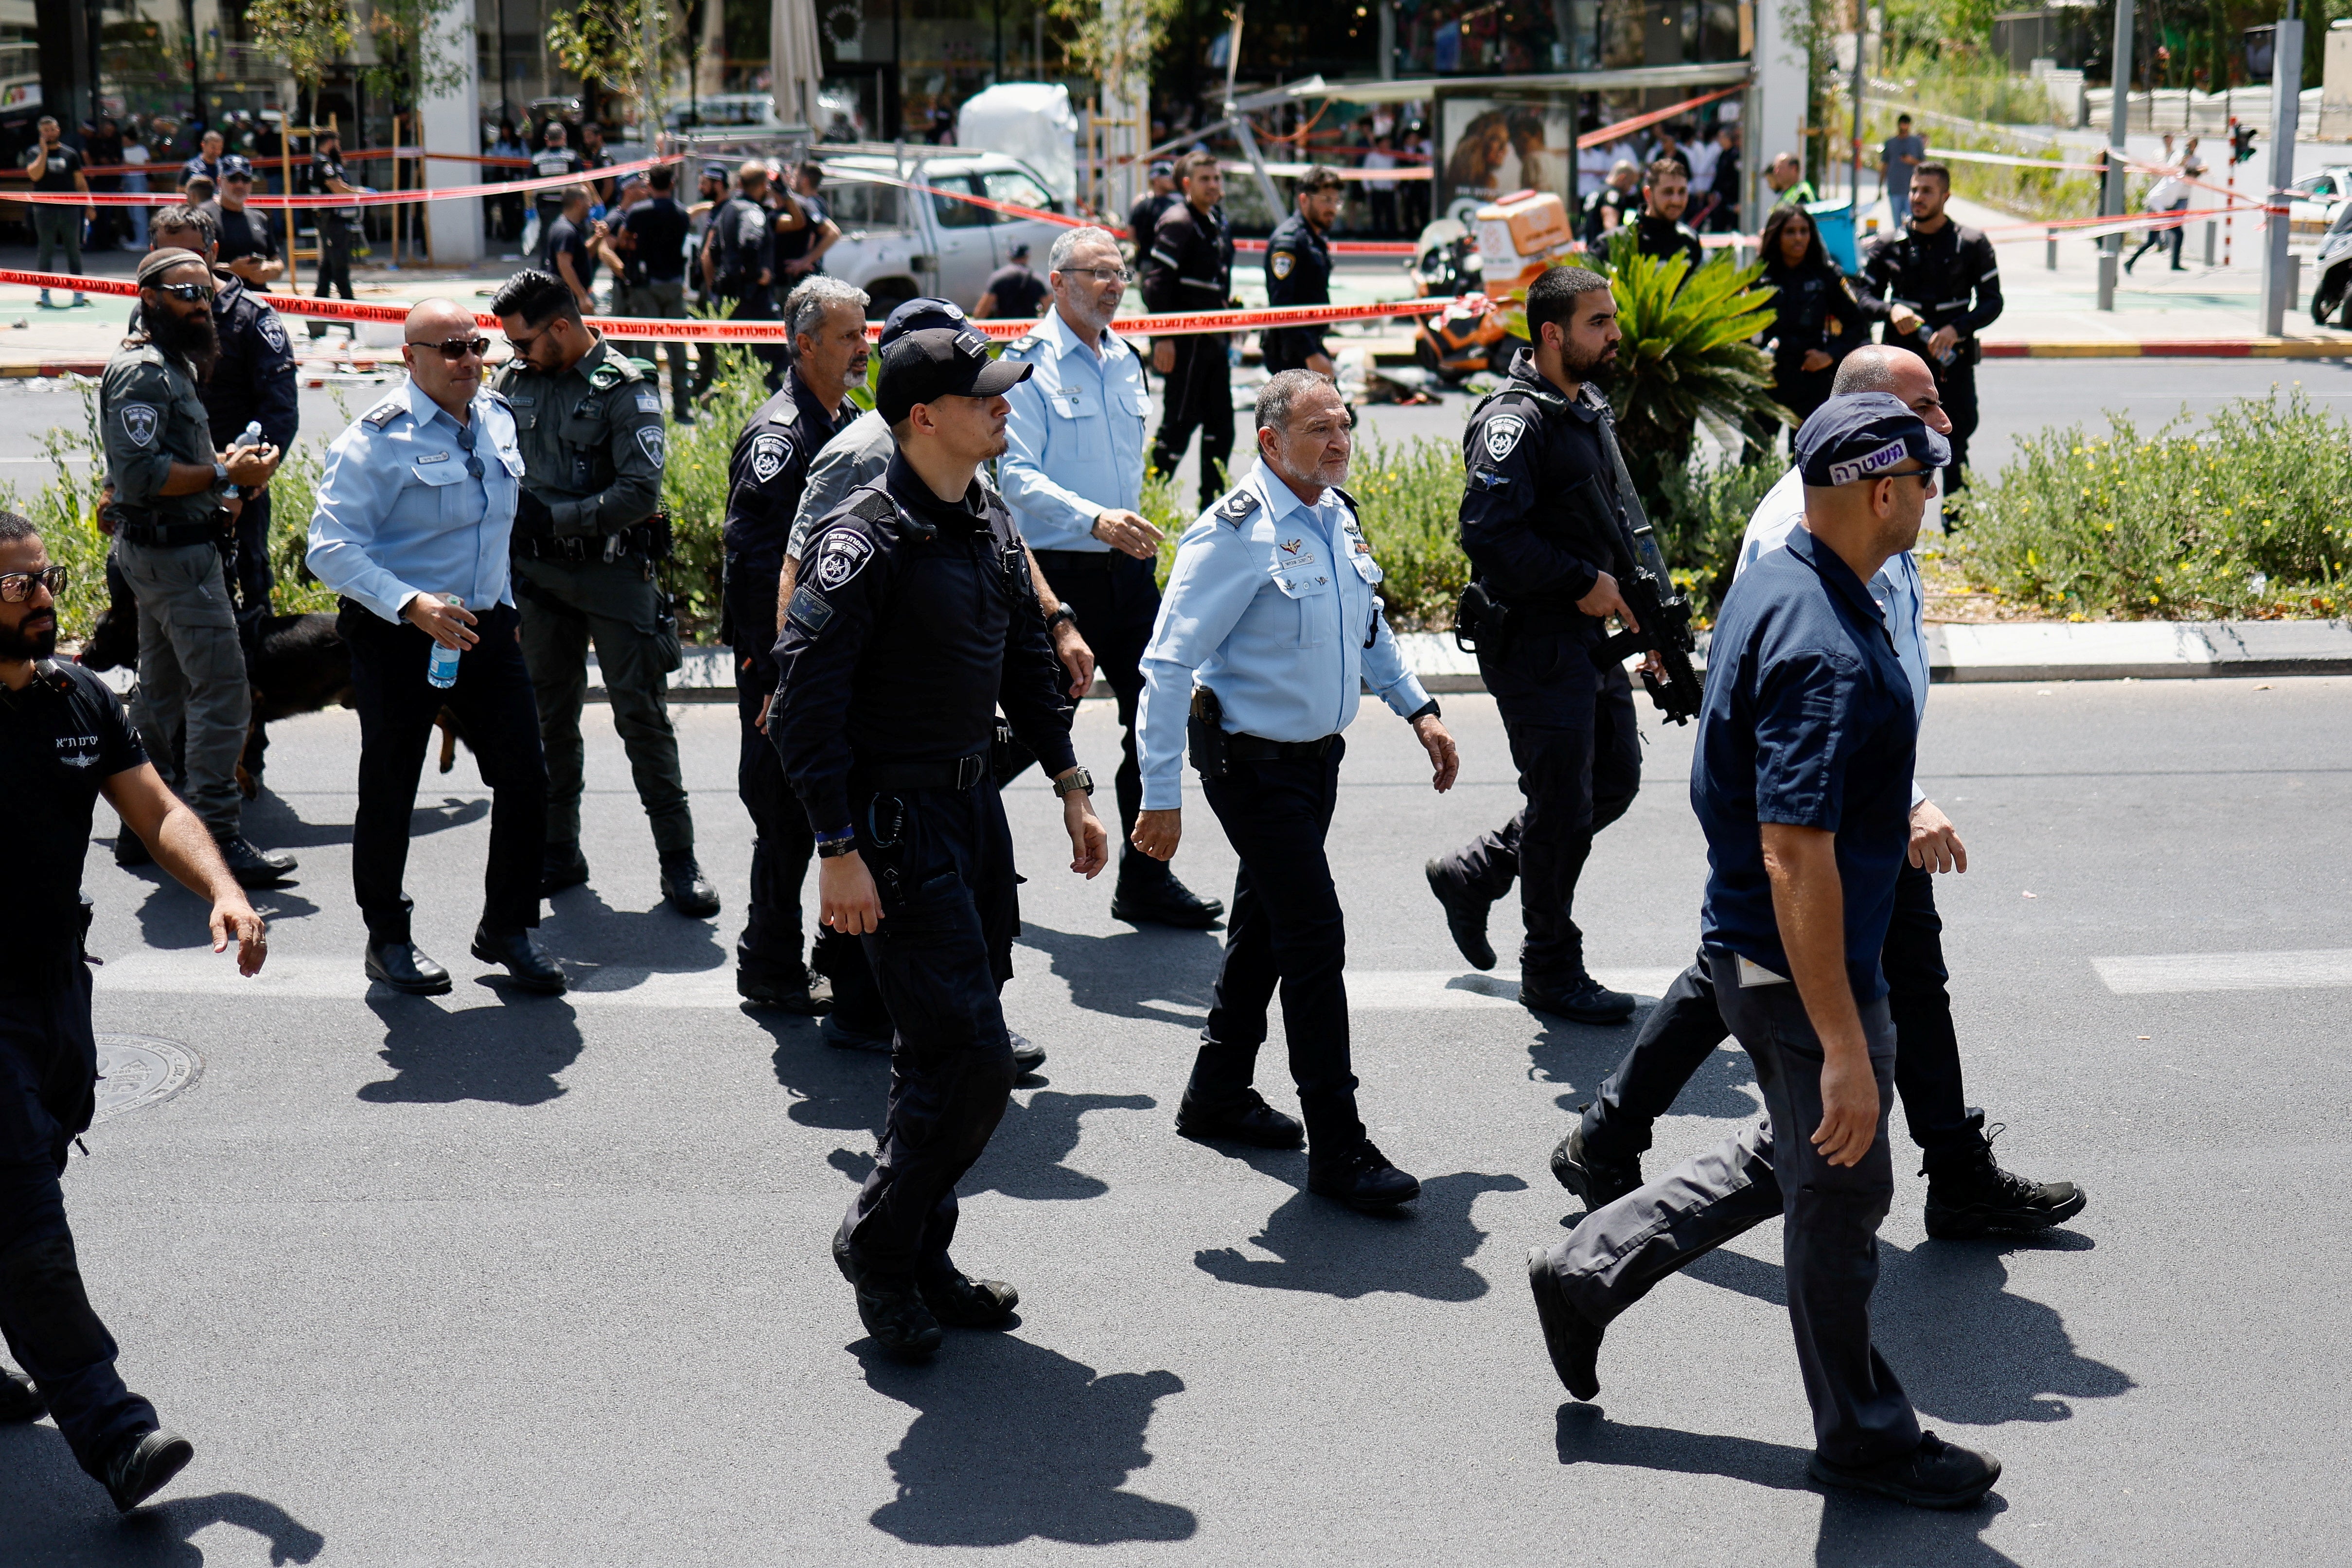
{"x": 2159, "y": 973}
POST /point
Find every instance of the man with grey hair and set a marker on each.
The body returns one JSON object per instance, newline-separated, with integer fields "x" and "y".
{"x": 1969, "y": 1193}
{"x": 1073, "y": 474}
{"x": 1271, "y": 625}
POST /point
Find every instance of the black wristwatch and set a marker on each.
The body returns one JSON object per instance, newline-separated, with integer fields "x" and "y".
{"x": 834, "y": 846}
{"x": 1070, "y": 783}
{"x": 1426, "y": 710}
{"x": 1061, "y": 612}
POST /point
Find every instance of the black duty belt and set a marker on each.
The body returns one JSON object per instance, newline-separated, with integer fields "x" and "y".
{"x": 1057, "y": 562}
{"x": 1258, "y": 748}
{"x": 960, "y": 774}
{"x": 151, "y": 531}
{"x": 649, "y": 540}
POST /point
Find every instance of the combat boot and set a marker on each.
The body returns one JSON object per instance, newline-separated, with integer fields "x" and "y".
{"x": 562, "y": 866}
{"x": 961, "y": 1302}
{"x": 1936, "y": 1474}
{"x": 1362, "y": 1178}
{"x": 19, "y": 1401}
{"x": 1571, "y": 1339}
{"x": 1465, "y": 916}
{"x": 688, "y": 891}
{"x": 890, "y": 1305}
{"x": 1598, "y": 1182}
{"x": 1970, "y": 1196}
{"x": 1577, "y": 997}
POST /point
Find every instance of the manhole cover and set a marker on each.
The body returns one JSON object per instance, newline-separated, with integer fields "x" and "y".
{"x": 136, "y": 1069}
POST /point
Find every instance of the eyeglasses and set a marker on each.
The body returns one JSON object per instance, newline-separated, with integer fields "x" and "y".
{"x": 1106, "y": 274}
{"x": 17, "y": 586}
{"x": 456, "y": 348}
{"x": 191, "y": 292}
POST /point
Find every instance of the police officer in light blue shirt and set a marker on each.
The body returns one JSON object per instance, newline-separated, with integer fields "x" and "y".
{"x": 1072, "y": 474}
{"x": 1969, "y": 1193}
{"x": 417, "y": 502}
{"x": 1272, "y": 623}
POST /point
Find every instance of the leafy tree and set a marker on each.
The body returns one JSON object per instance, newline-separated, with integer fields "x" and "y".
{"x": 410, "y": 67}
{"x": 307, "y": 36}
{"x": 622, "y": 45}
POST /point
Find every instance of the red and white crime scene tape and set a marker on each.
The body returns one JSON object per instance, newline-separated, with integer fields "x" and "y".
{"x": 667, "y": 329}
{"x": 364, "y": 199}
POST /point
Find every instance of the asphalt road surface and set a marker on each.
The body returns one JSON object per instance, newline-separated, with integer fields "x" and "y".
{"x": 508, "y": 1280}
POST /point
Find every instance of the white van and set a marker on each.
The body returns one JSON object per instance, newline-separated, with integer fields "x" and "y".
{"x": 899, "y": 245}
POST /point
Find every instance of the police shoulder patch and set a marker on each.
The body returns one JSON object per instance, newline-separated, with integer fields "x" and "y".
{"x": 1021, "y": 347}
{"x": 1280, "y": 262}
{"x": 273, "y": 331}
{"x": 650, "y": 440}
{"x": 139, "y": 420}
{"x": 649, "y": 403}
{"x": 1503, "y": 433}
{"x": 769, "y": 453}
{"x": 842, "y": 557}
{"x": 383, "y": 413}
{"x": 1236, "y": 508}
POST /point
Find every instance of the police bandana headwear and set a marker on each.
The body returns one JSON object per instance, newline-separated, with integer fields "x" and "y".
{"x": 159, "y": 262}
{"x": 1861, "y": 436}
{"x": 936, "y": 362}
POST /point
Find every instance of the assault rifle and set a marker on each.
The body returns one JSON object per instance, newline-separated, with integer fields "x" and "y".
{"x": 1649, "y": 591}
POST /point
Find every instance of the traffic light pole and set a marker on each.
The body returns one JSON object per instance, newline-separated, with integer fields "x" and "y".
{"x": 2111, "y": 195}
{"x": 2286, "y": 98}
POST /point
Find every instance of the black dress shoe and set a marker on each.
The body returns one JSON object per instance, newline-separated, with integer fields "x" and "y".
{"x": 1599, "y": 1182}
{"x": 400, "y": 965}
{"x": 254, "y": 867}
{"x": 19, "y": 1401}
{"x": 131, "y": 849}
{"x": 524, "y": 958}
{"x": 1936, "y": 1474}
{"x": 1146, "y": 900}
{"x": 894, "y": 1312}
{"x": 1362, "y": 1178}
{"x": 963, "y": 1303}
{"x": 682, "y": 881}
{"x": 1978, "y": 1198}
{"x": 561, "y": 867}
{"x": 807, "y": 994}
{"x": 1573, "y": 1339}
{"x": 1027, "y": 1055}
{"x": 1249, "y": 1120}
{"x": 143, "y": 1464}
{"x": 1579, "y": 998}
{"x": 1465, "y": 916}
{"x": 853, "y": 1036}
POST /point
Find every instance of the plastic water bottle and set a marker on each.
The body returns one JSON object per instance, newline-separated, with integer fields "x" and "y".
{"x": 441, "y": 667}
{"x": 249, "y": 436}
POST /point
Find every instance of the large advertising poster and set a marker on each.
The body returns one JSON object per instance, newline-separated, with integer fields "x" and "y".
{"x": 1491, "y": 147}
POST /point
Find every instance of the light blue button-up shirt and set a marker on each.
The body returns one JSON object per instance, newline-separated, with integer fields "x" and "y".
{"x": 398, "y": 514}
{"x": 1895, "y": 586}
{"x": 1273, "y": 606}
{"x": 1074, "y": 442}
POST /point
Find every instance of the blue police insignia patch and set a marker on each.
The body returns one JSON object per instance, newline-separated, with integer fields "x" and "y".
{"x": 844, "y": 555}
{"x": 272, "y": 332}
{"x": 1236, "y": 508}
{"x": 809, "y": 612}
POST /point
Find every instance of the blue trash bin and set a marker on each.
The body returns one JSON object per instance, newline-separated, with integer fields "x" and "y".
{"x": 1834, "y": 221}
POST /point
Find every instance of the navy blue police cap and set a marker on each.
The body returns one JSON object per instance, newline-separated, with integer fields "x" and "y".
{"x": 921, "y": 315}
{"x": 235, "y": 166}
{"x": 1862, "y": 435}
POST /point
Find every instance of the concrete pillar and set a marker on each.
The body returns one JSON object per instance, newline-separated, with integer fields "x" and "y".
{"x": 1774, "y": 115}
{"x": 451, "y": 122}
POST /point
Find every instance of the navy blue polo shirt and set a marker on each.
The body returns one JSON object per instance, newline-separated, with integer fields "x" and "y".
{"x": 1808, "y": 721}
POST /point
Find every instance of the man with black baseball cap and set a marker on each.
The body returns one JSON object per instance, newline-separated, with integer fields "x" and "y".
{"x": 914, "y": 622}
{"x": 1801, "y": 778}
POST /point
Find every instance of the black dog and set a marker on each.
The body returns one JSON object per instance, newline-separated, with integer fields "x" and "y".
{"x": 297, "y": 664}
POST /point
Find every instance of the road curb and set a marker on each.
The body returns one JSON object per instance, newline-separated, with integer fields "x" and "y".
{"x": 2182, "y": 349}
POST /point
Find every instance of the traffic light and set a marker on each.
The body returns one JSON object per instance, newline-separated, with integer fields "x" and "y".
{"x": 2242, "y": 142}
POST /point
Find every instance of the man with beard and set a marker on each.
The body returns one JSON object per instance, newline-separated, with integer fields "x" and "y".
{"x": 1270, "y": 628}
{"x": 1660, "y": 231}
{"x": 63, "y": 743}
{"x": 1537, "y": 525}
{"x": 170, "y": 487}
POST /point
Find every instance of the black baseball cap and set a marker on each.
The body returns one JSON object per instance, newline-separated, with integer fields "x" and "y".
{"x": 1861, "y": 436}
{"x": 917, "y": 315}
{"x": 936, "y": 362}
{"x": 237, "y": 166}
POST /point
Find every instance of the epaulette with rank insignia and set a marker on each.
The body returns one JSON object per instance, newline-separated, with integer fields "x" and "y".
{"x": 383, "y": 413}
{"x": 1021, "y": 347}
{"x": 1235, "y": 508}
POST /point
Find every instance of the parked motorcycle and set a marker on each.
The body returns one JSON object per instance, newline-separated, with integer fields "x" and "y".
{"x": 1460, "y": 341}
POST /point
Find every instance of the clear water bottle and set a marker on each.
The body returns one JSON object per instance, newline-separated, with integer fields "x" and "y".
{"x": 441, "y": 668}
{"x": 249, "y": 436}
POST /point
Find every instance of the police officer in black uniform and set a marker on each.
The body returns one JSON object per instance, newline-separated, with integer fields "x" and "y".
{"x": 1660, "y": 231}
{"x": 1159, "y": 195}
{"x": 765, "y": 478}
{"x": 914, "y": 620}
{"x": 738, "y": 256}
{"x": 1190, "y": 267}
{"x": 1537, "y": 518}
{"x": 64, "y": 743}
{"x": 1298, "y": 272}
{"x": 1936, "y": 285}
{"x": 252, "y": 379}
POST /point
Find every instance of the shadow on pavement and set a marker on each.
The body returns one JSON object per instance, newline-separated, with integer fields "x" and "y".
{"x": 1136, "y": 972}
{"x": 1581, "y": 1056}
{"x": 173, "y": 919}
{"x": 56, "y": 1514}
{"x": 510, "y": 1054}
{"x": 1422, "y": 1250}
{"x": 1024, "y": 1159}
{"x": 1965, "y": 1348}
{"x": 1012, "y": 1441}
{"x": 590, "y": 934}
{"x": 1856, "y": 1531}
{"x": 837, "y": 1090}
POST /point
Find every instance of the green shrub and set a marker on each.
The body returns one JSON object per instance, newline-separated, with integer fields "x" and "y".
{"x": 694, "y": 491}
{"x": 1706, "y": 517}
{"x": 2250, "y": 516}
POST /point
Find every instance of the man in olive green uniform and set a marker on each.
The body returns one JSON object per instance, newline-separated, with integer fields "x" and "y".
{"x": 586, "y": 547}
{"x": 170, "y": 514}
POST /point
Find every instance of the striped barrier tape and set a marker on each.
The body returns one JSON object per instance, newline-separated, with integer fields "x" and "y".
{"x": 364, "y": 199}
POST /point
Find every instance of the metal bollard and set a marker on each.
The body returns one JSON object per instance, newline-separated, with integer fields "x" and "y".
{"x": 2293, "y": 279}
{"x": 2211, "y": 229}
{"x": 2053, "y": 236}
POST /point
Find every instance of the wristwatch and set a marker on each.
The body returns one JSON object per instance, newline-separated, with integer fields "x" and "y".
{"x": 1061, "y": 612}
{"x": 1076, "y": 780}
{"x": 833, "y": 846}
{"x": 220, "y": 475}
{"x": 1426, "y": 710}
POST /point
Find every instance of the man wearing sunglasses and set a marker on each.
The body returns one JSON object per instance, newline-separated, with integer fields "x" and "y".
{"x": 171, "y": 517}
{"x": 63, "y": 743}
{"x": 247, "y": 248}
{"x": 417, "y": 503}
{"x": 589, "y": 543}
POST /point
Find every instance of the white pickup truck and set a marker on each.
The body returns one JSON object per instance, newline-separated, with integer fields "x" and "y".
{"x": 899, "y": 245}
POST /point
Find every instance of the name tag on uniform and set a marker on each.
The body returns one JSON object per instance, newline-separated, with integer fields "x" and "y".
{"x": 434, "y": 457}
{"x": 1752, "y": 972}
